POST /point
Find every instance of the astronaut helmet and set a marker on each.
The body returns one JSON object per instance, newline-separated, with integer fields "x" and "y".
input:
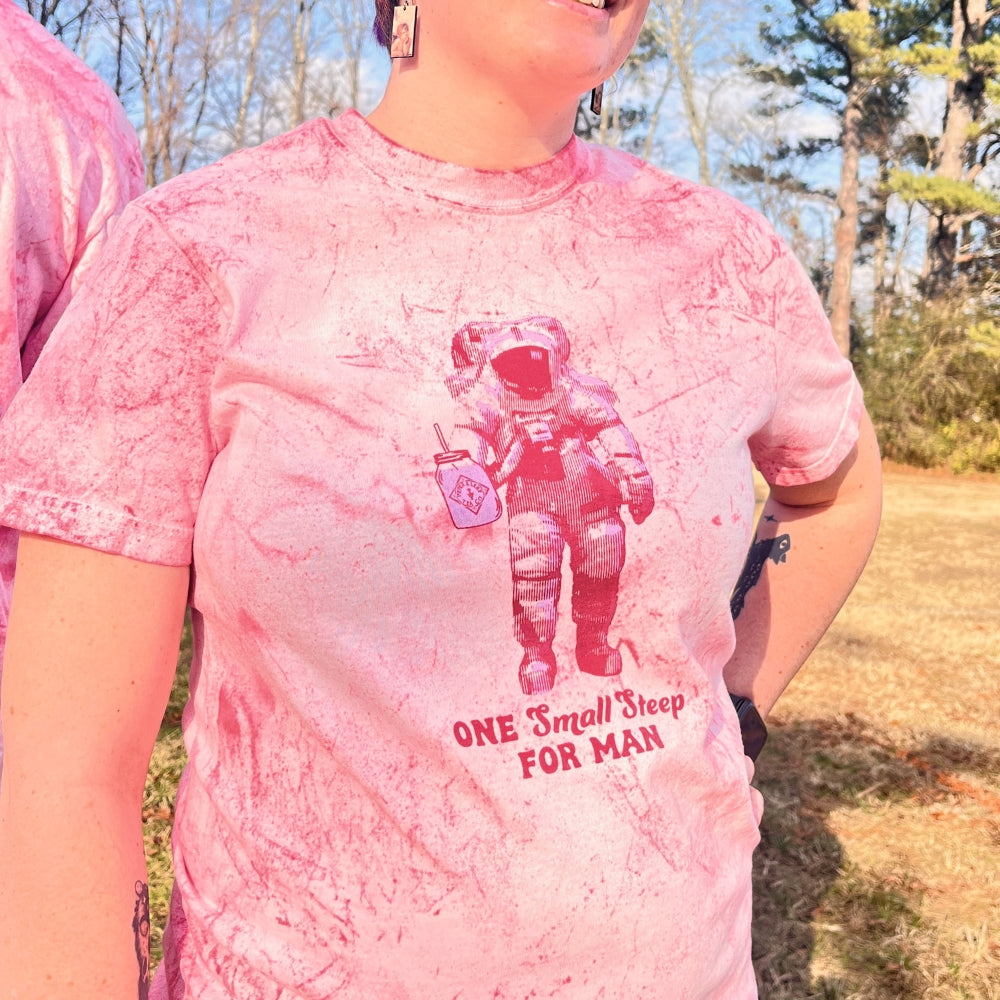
{"x": 528, "y": 356}
{"x": 467, "y": 352}
{"x": 480, "y": 341}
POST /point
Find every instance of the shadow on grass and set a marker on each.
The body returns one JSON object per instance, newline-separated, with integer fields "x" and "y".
{"x": 865, "y": 925}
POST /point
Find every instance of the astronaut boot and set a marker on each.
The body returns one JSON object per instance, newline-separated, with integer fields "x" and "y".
{"x": 593, "y": 654}
{"x": 537, "y": 672}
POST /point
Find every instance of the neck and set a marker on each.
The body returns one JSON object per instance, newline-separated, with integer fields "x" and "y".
{"x": 475, "y": 125}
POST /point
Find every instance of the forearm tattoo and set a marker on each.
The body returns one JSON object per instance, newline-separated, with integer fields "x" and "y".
{"x": 140, "y": 925}
{"x": 775, "y": 549}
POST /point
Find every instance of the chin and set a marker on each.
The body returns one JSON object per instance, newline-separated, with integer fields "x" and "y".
{"x": 570, "y": 71}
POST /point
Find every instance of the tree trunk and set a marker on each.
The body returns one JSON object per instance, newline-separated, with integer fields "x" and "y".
{"x": 880, "y": 242}
{"x": 352, "y": 22}
{"x": 681, "y": 32}
{"x": 301, "y": 28}
{"x": 845, "y": 230}
{"x": 963, "y": 106}
{"x": 249, "y": 74}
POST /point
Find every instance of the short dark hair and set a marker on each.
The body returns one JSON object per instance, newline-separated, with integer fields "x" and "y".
{"x": 382, "y": 28}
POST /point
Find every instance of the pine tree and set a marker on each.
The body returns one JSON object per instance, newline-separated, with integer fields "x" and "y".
{"x": 846, "y": 56}
{"x": 964, "y": 213}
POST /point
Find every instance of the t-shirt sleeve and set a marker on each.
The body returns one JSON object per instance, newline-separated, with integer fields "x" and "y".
{"x": 70, "y": 162}
{"x": 813, "y": 423}
{"x": 106, "y": 179}
{"x": 109, "y": 443}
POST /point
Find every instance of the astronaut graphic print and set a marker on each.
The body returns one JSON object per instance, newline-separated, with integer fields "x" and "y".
{"x": 553, "y": 440}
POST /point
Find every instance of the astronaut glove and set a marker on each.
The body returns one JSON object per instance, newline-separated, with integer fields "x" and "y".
{"x": 640, "y": 496}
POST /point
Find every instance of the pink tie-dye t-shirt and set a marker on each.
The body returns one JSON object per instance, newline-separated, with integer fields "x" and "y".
{"x": 69, "y": 163}
{"x": 463, "y": 461}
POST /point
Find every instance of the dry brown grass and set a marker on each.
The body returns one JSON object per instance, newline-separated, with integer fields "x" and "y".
{"x": 878, "y": 875}
{"x": 879, "y": 871}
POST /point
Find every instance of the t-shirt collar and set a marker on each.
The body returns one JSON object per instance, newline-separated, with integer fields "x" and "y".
{"x": 486, "y": 190}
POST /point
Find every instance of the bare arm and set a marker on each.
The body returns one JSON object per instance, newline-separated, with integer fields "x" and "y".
{"x": 90, "y": 657}
{"x": 811, "y": 545}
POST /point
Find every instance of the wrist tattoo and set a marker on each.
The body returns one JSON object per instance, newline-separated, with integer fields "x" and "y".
{"x": 140, "y": 925}
{"x": 775, "y": 549}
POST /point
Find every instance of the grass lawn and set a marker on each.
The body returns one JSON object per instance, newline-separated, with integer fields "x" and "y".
{"x": 878, "y": 874}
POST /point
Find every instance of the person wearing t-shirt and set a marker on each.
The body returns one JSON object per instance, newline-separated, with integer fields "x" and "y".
{"x": 69, "y": 163}
{"x": 374, "y": 400}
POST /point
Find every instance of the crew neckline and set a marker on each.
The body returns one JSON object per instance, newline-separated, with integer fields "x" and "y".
{"x": 486, "y": 190}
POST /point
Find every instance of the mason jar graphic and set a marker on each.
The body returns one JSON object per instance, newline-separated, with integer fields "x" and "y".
{"x": 468, "y": 493}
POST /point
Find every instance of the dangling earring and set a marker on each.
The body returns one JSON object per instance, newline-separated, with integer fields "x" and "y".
{"x": 404, "y": 30}
{"x": 596, "y": 98}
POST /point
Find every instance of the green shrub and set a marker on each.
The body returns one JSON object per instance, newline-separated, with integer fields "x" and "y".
{"x": 931, "y": 373}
